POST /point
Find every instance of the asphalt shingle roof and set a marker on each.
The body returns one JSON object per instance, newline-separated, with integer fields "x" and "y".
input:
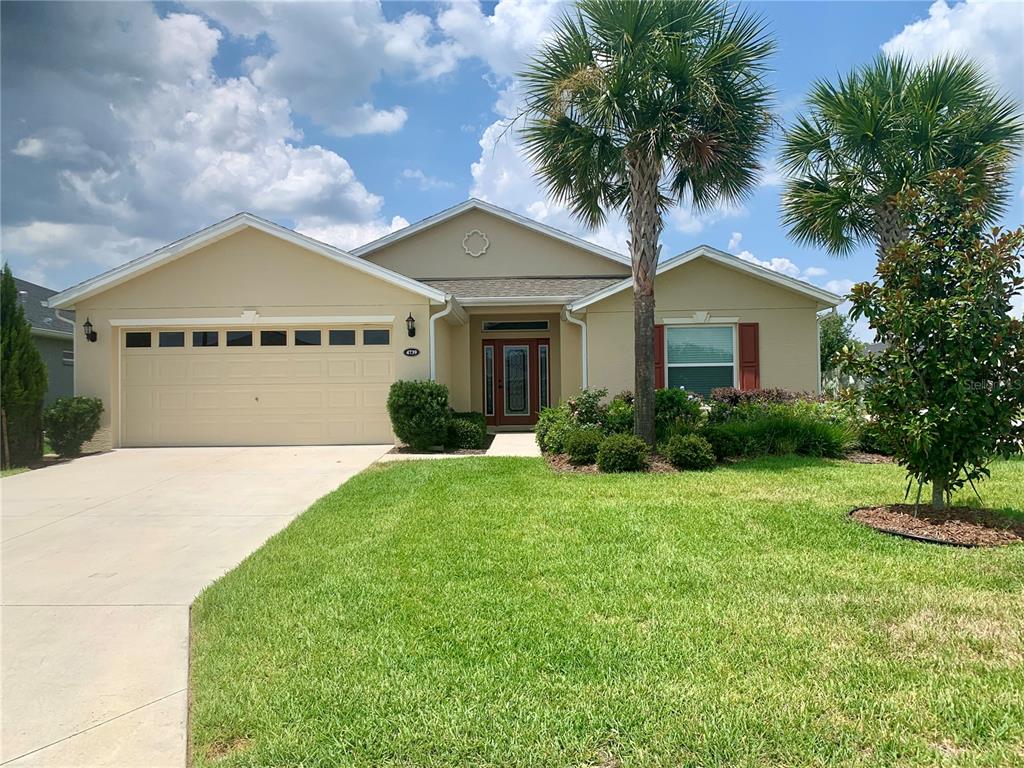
{"x": 522, "y": 287}
{"x": 33, "y": 298}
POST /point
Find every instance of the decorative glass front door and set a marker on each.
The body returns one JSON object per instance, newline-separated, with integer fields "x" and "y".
{"x": 515, "y": 379}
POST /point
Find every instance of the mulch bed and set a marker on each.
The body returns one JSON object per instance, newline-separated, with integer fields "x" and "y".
{"x": 458, "y": 452}
{"x": 958, "y": 526}
{"x": 559, "y": 462}
{"x": 862, "y": 457}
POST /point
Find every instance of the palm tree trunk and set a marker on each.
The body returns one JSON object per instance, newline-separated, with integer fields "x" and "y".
{"x": 889, "y": 228}
{"x": 645, "y": 224}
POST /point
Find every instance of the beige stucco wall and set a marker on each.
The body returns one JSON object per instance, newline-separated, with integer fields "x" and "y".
{"x": 787, "y": 323}
{"x": 248, "y": 270}
{"x": 514, "y": 251}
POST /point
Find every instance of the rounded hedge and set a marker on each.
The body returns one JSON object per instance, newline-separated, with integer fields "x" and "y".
{"x": 71, "y": 422}
{"x": 582, "y": 445}
{"x": 419, "y": 413}
{"x": 623, "y": 453}
{"x": 466, "y": 433}
{"x": 689, "y": 452}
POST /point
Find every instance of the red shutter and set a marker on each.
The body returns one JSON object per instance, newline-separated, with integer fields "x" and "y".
{"x": 750, "y": 357}
{"x": 659, "y": 356}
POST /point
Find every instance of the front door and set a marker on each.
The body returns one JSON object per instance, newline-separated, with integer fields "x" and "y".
{"x": 516, "y": 380}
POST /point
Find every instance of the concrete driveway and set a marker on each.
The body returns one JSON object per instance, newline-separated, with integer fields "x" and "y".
{"x": 101, "y": 558}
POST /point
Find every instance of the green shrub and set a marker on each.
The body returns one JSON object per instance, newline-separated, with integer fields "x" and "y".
{"x": 466, "y": 432}
{"x": 419, "y": 413}
{"x": 582, "y": 444}
{"x": 623, "y": 453}
{"x": 553, "y": 424}
{"x": 70, "y": 422}
{"x": 870, "y": 438}
{"x": 22, "y": 378}
{"x": 689, "y": 452}
{"x": 780, "y": 433}
{"x": 619, "y": 416}
{"x": 676, "y": 411}
{"x": 585, "y": 408}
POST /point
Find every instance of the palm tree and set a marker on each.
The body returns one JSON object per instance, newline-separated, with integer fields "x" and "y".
{"x": 632, "y": 107}
{"x": 885, "y": 128}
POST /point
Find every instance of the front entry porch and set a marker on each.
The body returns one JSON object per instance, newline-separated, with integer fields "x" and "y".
{"x": 516, "y": 380}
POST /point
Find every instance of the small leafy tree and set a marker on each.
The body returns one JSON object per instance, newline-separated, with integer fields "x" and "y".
{"x": 23, "y": 379}
{"x": 835, "y": 333}
{"x": 948, "y": 390}
{"x": 71, "y": 422}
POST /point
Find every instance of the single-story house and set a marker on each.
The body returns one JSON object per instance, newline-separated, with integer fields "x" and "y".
{"x": 248, "y": 333}
{"x": 53, "y": 335}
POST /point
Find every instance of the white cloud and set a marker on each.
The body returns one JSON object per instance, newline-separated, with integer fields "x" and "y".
{"x": 327, "y": 57}
{"x": 149, "y": 144}
{"x": 348, "y": 236}
{"x": 990, "y": 32}
{"x": 781, "y": 265}
{"x": 735, "y": 240}
{"x": 839, "y": 287}
{"x": 425, "y": 181}
{"x": 815, "y": 272}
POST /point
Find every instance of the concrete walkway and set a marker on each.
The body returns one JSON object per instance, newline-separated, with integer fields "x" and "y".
{"x": 504, "y": 444}
{"x": 101, "y": 558}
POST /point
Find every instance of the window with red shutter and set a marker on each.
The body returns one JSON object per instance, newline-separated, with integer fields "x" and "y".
{"x": 750, "y": 356}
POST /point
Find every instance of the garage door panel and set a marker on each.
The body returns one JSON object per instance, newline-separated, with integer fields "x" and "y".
{"x": 258, "y": 396}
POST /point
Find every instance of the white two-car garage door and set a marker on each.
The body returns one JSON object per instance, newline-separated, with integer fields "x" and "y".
{"x": 255, "y": 386}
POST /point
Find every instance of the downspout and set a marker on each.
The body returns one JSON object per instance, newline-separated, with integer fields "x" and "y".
{"x": 449, "y": 306}
{"x": 817, "y": 357}
{"x": 74, "y": 350}
{"x": 583, "y": 341}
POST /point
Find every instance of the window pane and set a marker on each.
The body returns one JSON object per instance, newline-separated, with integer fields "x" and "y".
{"x": 700, "y": 379}
{"x": 542, "y": 352}
{"x": 307, "y": 338}
{"x": 273, "y": 338}
{"x": 342, "y": 338}
{"x": 699, "y": 345}
{"x": 172, "y": 338}
{"x": 239, "y": 338}
{"x": 489, "y": 381}
{"x": 205, "y": 338}
{"x": 372, "y": 337}
{"x": 137, "y": 339}
{"x": 68, "y": 357}
{"x": 515, "y": 325}
{"x": 517, "y": 380}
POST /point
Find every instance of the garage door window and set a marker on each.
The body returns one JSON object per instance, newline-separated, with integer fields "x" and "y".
{"x": 376, "y": 337}
{"x": 307, "y": 338}
{"x": 239, "y": 338}
{"x": 340, "y": 338}
{"x": 273, "y": 338}
{"x": 172, "y": 338}
{"x": 205, "y": 338}
{"x": 138, "y": 339}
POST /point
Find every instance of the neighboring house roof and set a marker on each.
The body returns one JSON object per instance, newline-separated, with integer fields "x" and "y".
{"x": 222, "y": 229}
{"x": 704, "y": 251}
{"x": 874, "y": 348}
{"x": 556, "y": 290}
{"x": 481, "y": 205}
{"x": 44, "y": 321}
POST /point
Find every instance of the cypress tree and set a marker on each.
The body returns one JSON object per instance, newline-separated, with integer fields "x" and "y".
{"x": 23, "y": 379}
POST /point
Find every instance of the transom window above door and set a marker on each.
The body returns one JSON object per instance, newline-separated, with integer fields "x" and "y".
{"x": 700, "y": 359}
{"x": 515, "y": 325}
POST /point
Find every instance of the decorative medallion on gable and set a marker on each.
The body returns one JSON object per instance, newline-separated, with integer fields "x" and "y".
{"x": 475, "y": 243}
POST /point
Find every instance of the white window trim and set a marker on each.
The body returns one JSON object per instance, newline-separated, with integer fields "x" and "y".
{"x": 735, "y": 349}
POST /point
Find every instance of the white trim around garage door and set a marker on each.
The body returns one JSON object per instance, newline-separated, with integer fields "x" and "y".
{"x": 252, "y": 318}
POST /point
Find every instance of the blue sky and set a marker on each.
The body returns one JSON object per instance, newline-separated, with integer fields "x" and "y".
{"x": 126, "y": 126}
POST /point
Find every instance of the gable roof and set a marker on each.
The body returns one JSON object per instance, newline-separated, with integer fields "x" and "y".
{"x": 222, "y": 229}
{"x": 705, "y": 251}
{"x": 480, "y": 205}
{"x": 34, "y": 299}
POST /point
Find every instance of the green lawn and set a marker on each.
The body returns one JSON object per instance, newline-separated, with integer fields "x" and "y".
{"x": 486, "y": 612}
{"x": 12, "y": 471}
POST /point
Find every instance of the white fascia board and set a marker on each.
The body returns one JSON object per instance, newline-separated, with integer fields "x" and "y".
{"x": 826, "y": 298}
{"x": 513, "y": 301}
{"x": 49, "y": 333}
{"x": 66, "y": 299}
{"x": 475, "y": 204}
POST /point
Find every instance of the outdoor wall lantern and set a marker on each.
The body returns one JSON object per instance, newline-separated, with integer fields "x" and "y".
{"x": 90, "y": 334}
{"x": 410, "y": 323}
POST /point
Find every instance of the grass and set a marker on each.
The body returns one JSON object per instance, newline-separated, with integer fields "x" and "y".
{"x": 12, "y": 471}
{"x": 486, "y": 612}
